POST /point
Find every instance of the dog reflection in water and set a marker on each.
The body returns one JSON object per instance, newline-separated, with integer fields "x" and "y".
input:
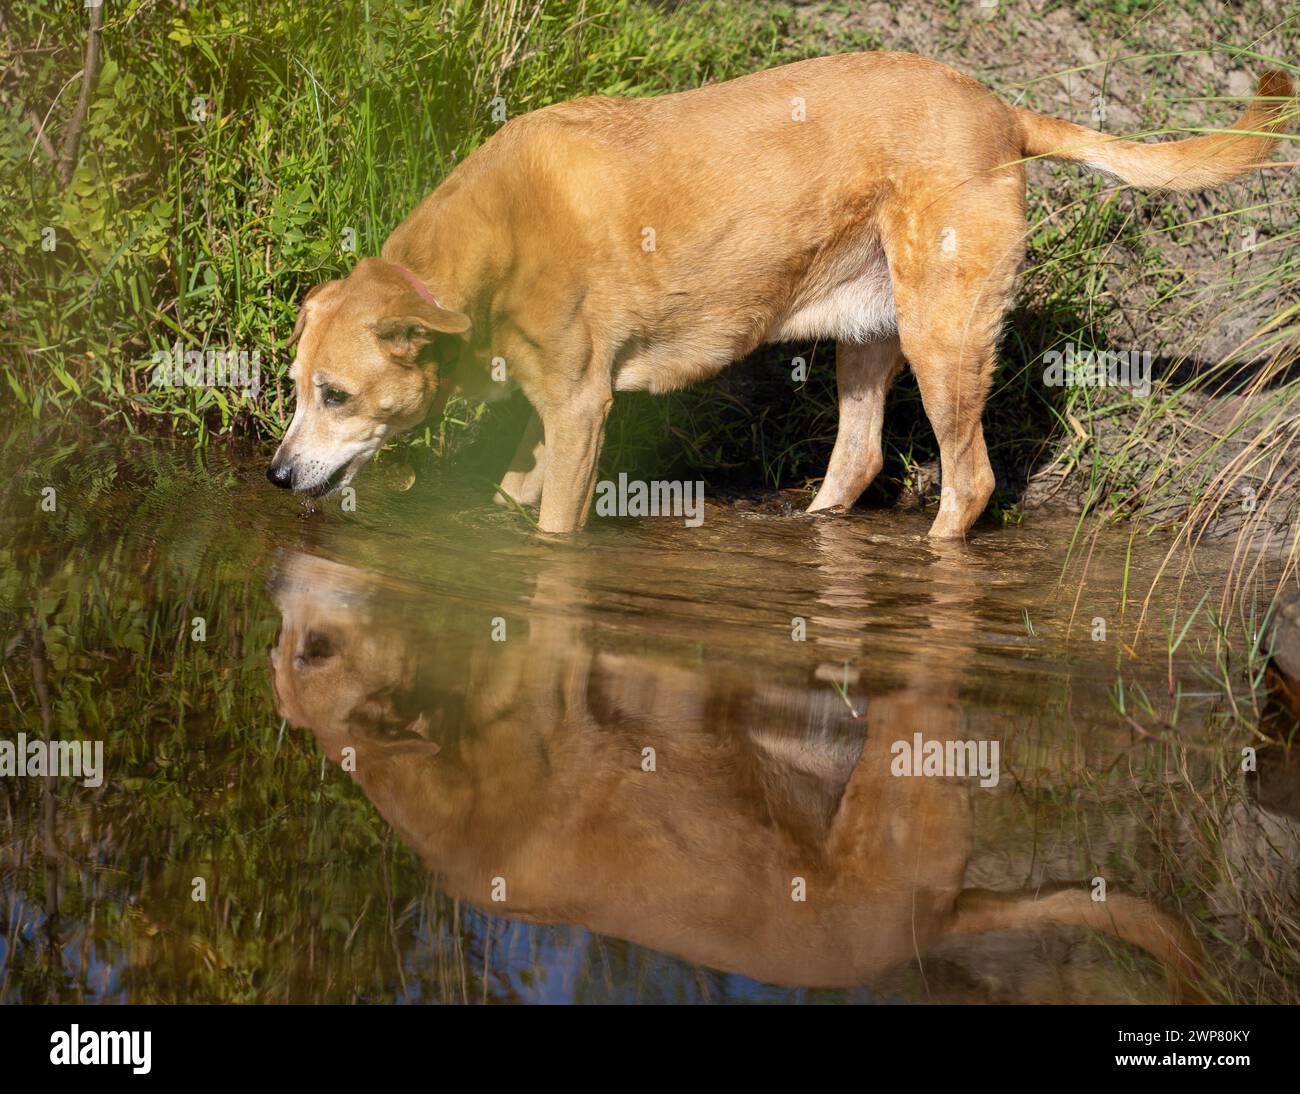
{"x": 525, "y": 761}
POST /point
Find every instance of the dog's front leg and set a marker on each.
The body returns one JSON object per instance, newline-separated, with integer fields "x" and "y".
{"x": 863, "y": 375}
{"x": 522, "y": 482}
{"x": 574, "y": 427}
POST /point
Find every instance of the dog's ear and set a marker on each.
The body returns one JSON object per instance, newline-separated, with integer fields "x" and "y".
{"x": 312, "y": 293}
{"x": 413, "y": 323}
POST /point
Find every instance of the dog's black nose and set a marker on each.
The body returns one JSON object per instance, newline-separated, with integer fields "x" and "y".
{"x": 281, "y": 475}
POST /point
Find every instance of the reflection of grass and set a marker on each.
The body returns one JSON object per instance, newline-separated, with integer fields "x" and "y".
{"x": 1210, "y": 844}
{"x": 199, "y": 782}
{"x": 842, "y": 690}
{"x": 1210, "y": 840}
{"x": 1171, "y": 813}
{"x": 1171, "y": 820}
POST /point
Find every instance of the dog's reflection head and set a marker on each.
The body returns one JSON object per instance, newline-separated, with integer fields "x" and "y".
{"x": 338, "y": 670}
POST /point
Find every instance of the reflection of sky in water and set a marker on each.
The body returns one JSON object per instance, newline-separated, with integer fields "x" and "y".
{"x": 100, "y": 980}
{"x": 535, "y": 963}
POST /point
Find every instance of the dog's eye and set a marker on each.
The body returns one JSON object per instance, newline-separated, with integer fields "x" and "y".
{"x": 315, "y": 649}
{"x": 318, "y": 646}
{"x": 334, "y": 397}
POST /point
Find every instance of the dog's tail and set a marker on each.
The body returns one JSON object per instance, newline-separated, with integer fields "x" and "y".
{"x": 1190, "y": 164}
{"x": 1129, "y": 918}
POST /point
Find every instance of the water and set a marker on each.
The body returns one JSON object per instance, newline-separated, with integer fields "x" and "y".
{"x": 414, "y": 753}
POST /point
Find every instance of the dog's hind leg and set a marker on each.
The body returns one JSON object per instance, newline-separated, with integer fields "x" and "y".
{"x": 863, "y": 375}
{"x": 953, "y": 264}
{"x": 522, "y": 482}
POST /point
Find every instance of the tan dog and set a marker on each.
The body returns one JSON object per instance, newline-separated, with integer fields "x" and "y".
{"x": 524, "y": 762}
{"x": 607, "y": 245}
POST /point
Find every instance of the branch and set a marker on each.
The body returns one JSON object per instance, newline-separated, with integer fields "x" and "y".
{"x": 41, "y": 139}
{"x": 90, "y": 73}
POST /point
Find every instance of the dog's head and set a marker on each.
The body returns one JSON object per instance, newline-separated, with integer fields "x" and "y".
{"x": 370, "y": 349}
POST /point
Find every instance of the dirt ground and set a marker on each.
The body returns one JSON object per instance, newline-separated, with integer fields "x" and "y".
{"x": 1178, "y": 285}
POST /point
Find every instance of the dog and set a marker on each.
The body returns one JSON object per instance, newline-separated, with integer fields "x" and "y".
{"x": 523, "y": 764}
{"x": 605, "y": 245}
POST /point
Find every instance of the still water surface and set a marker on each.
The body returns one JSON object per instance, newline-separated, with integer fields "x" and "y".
{"x": 414, "y": 753}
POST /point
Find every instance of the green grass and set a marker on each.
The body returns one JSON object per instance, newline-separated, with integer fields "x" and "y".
{"x": 233, "y": 153}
